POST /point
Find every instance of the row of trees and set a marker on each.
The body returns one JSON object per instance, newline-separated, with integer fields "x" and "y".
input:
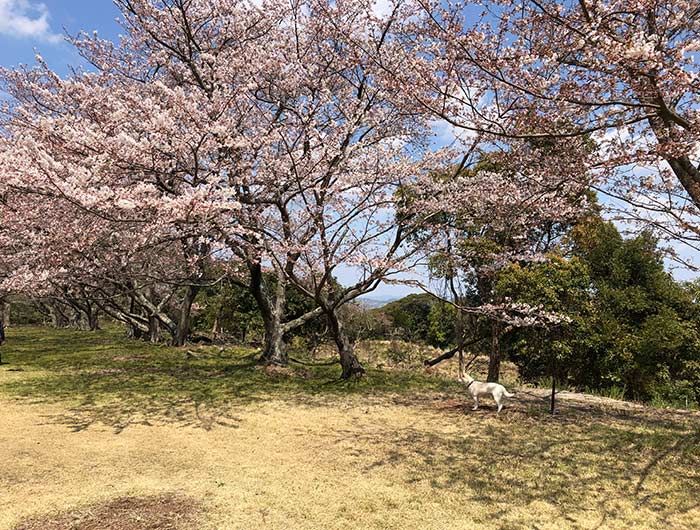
{"x": 266, "y": 145}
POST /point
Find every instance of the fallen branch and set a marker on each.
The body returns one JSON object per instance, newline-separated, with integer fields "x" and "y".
{"x": 451, "y": 353}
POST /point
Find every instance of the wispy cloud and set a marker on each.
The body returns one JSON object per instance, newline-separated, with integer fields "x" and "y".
{"x": 23, "y": 18}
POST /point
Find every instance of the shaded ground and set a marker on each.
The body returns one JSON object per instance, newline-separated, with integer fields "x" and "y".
{"x": 288, "y": 451}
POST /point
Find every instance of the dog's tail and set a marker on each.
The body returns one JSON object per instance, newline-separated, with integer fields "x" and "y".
{"x": 507, "y": 394}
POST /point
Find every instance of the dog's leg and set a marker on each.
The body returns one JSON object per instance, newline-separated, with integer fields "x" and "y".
{"x": 498, "y": 398}
{"x": 476, "y": 403}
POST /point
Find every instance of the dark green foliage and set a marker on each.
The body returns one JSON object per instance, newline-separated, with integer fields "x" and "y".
{"x": 646, "y": 326}
{"x": 632, "y": 326}
{"x": 409, "y": 316}
{"x": 419, "y": 318}
{"x": 228, "y": 310}
{"x": 441, "y": 325}
{"x": 560, "y": 286}
{"x": 23, "y": 311}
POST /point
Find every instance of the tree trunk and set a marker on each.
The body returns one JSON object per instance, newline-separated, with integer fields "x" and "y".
{"x": 272, "y": 312}
{"x": 89, "y": 320}
{"x": 348, "y": 360}
{"x": 663, "y": 126}
{"x": 183, "y": 325}
{"x": 93, "y": 320}
{"x": 495, "y": 357}
{"x": 78, "y": 320}
{"x": 133, "y": 331}
{"x": 58, "y": 318}
{"x": 153, "y": 328}
{"x": 275, "y": 351}
{"x": 5, "y": 317}
{"x": 136, "y": 324}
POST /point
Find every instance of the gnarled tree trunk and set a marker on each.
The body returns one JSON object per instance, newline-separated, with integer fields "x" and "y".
{"x": 348, "y": 359}
{"x": 58, "y": 317}
{"x": 275, "y": 351}
{"x": 153, "y": 328}
{"x": 272, "y": 311}
{"x": 93, "y": 320}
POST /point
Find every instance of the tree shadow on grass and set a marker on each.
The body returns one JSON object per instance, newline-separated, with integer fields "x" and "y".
{"x": 147, "y": 393}
{"x": 106, "y": 379}
{"x": 571, "y": 409}
{"x": 590, "y": 460}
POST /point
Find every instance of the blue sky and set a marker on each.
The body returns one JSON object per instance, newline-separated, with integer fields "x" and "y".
{"x": 28, "y": 27}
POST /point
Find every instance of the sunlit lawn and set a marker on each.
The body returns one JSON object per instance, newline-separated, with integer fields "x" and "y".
{"x": 89, "y": 418}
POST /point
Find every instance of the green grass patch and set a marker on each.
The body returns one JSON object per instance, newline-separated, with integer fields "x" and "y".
{"x": 101, "y": 366}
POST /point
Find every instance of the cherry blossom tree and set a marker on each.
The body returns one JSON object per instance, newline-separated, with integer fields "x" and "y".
{"x": 624, "y": 73}
{"x": 349, "y": 143}
{"x": 504, "y": 206}
{"x": 325, "y": 142}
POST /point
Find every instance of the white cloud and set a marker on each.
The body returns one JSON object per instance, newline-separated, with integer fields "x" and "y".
{"x": 23, "y": 18}
{"x": 383, "y": 8}
{"x": 446, "y": 134}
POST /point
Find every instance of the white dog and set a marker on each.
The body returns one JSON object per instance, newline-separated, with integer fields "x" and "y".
{"x": 477, "y": 389}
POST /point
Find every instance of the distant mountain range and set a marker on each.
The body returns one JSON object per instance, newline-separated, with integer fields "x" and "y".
{"x": 373, "y": 303}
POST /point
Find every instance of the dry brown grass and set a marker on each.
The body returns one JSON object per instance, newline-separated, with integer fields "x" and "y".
{"x": 377, "y": 463}
{"x": 361, "y": 460}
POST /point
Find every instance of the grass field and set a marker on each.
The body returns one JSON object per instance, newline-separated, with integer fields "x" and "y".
{"x": 98, "y": 432}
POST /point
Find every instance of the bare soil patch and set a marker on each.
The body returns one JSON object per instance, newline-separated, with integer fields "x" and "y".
{"x": 166, "y": 512}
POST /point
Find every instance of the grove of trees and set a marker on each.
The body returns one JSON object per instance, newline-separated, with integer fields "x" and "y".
{"x": 225, "y": 163}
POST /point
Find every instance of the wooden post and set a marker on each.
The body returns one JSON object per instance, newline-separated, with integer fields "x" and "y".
{"x": 551, "y": 408}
